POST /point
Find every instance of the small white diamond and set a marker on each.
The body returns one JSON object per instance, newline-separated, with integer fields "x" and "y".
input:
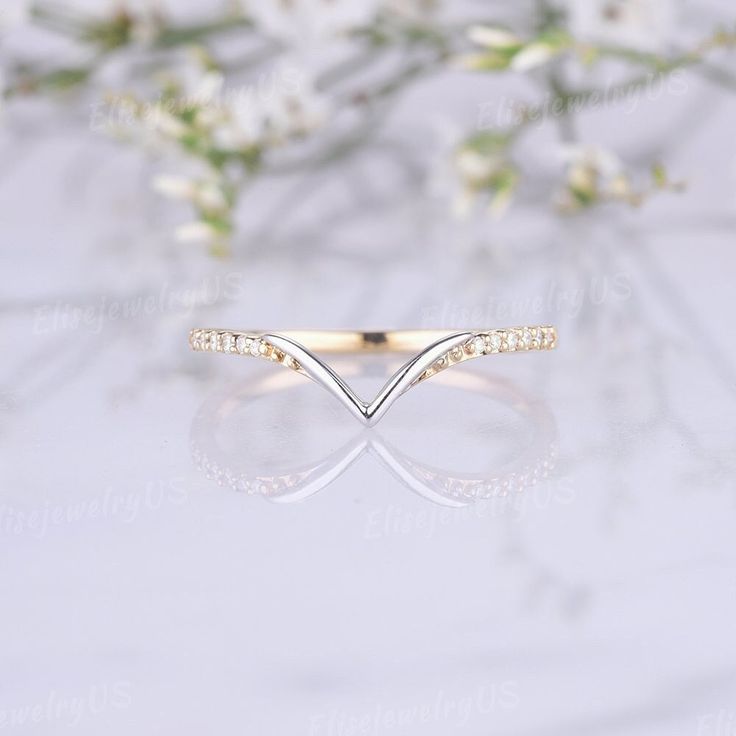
{"x": 494, "y": 340}
{"x": 213, "y": 340}
{"x": 479, "y": 344}
{"x": 526, "y": 338}
{"x": 227, "y": 341}
{"x": 512, "y": 340}
{"x": 255, "y": 347}
{"x": 241, "y": 344}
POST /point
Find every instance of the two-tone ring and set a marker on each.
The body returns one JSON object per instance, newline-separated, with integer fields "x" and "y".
{"x": 434, "y": 351}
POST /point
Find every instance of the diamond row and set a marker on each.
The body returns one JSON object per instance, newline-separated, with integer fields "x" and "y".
{"x": 240, "y": 343}
{"x": 515, "y": 482}
{"x": 511, "y": 483}
{"x": 244, "y": 483}
{"x": 510, "y": 340}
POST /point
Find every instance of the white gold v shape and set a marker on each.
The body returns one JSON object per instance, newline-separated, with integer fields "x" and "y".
{"x": 367, "y": 412}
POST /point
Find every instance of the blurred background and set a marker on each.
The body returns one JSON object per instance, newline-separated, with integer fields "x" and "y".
{"x": 538, "y": 544}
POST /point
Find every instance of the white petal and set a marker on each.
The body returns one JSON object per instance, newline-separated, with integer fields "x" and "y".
{"x": 211, "y": 197}
{"x": 209, "y": 87}
{"x": 493, "y": 38}
{"x": 168, "y": 124}
{"x": 176, "y": 187}
{"x": 533, "y": 55}
{"x": 195, "y": 232}
{"x": 605, "y": 162}
{"x": 474, "y": 166}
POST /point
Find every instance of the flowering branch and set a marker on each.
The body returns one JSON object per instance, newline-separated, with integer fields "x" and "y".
{"x": 592, "y": 175}
{"x": 223, "y": 138}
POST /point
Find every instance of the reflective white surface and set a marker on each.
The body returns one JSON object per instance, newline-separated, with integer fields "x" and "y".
{"x": 361, "y": 581}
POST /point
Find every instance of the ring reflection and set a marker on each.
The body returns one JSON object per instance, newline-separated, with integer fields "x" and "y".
{"x": 257, "y": 437}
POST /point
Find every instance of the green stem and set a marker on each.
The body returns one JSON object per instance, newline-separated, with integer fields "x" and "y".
{"x": 181, "y": 35}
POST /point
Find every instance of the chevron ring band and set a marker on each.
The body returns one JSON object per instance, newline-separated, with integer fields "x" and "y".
{"x": 435, "y": 350}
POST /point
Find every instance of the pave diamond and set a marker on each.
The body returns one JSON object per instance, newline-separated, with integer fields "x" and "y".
{"x": 494, "y": 341}
{"x": 241, "y": 344}
{"x": 512, "y": 340}
{"x": 526, "y": 338}
{"x": 227, "y": 341}
{"x": 255, "y": 348}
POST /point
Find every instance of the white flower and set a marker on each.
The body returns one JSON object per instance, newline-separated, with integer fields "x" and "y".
{"x": 175, "y": 187}
{"x": 601, "y": 160}
{"x": 531, "y": 56}
{"x": 644, "y": 25}
{"x": 164, "y": 122}
{"x": 210, "y": 196}
{"x": 505, "y": 50}
{"x": 242, "y": 125}
{"x": 477, "y": 167}
{"x": 593, "y": 175}
{"x": 493, "y": 38}
{"x": 206, "y": 193}
{"x": 206, "y": 88}
{"x": 196, "y": 232}
{"x": 256, "y": 117}
{"x": 198, "y": 84}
